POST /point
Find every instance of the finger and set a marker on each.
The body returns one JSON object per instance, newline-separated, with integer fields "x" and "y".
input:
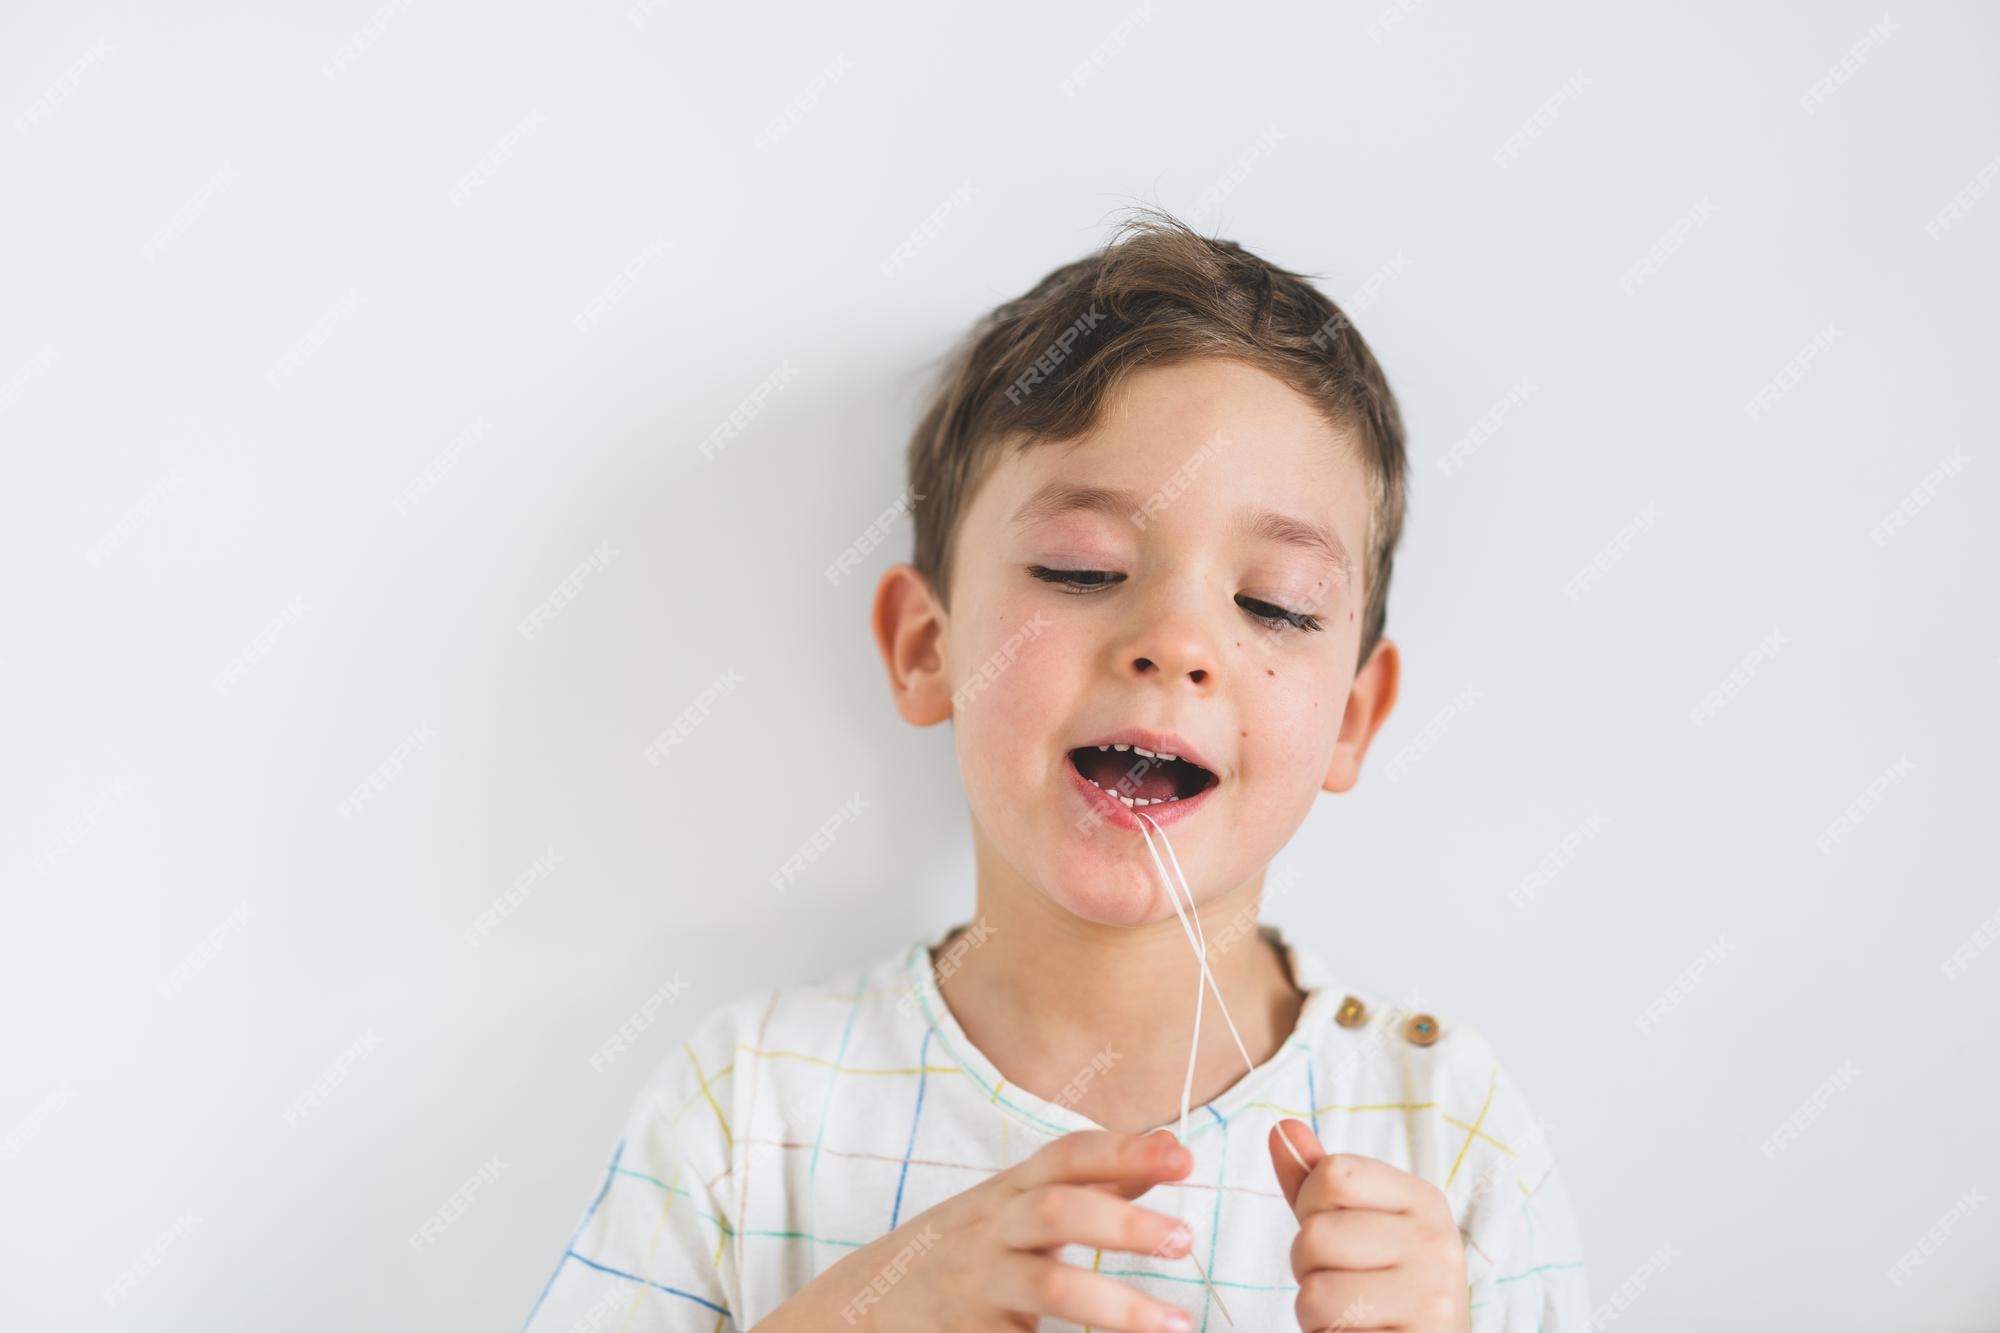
{"x": 1133, "y": 1189}
{"x": 1354, "y": 1239}
{"x": 1349, "y": 1180}
{"x": 1077, "y": 1215}
{"x": 1102, "y": 1156}
{"x": 1038, "y": 1285}
{"x": 1137, "y": 1187}
{"x": 1351, "y": 1302}
{"x": 1291, "y": 1176}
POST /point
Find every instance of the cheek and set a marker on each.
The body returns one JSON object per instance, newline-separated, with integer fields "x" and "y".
{"x": 1016, "y": 691}
{"x": 1295, "y": 752}
{"x": 1293, "y": 717}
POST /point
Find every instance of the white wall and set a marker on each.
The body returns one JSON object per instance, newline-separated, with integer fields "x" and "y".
{"x": 170, "y": 489}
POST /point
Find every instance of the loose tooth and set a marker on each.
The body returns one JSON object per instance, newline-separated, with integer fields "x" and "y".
{"x": 1140, "y": 749}
{"x": 1129, "y": 802}
{"x": 1121, "y": 747}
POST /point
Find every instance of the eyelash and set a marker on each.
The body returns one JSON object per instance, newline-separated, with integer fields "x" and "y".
{"x": 1070, "y": 581}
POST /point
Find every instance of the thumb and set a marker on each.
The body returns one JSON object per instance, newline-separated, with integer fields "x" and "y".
{"x": 1292, "y": 1176}
{"x": 1133, "y": 1189}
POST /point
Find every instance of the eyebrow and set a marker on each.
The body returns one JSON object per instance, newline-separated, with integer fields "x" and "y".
{"x": 1271, "y": 526}
{"x": 1057, "y": 498}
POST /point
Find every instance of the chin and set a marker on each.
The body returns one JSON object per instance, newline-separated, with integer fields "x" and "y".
{"x": 1129, "y": 895}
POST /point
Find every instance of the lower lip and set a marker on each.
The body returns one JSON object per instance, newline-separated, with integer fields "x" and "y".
{"x": 1117, "y": 814}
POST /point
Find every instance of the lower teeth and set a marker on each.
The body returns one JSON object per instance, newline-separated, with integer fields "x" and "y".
{"x": 1131, "y": 802}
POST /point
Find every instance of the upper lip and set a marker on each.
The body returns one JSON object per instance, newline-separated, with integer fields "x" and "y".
{"x": 1159, "y": 742}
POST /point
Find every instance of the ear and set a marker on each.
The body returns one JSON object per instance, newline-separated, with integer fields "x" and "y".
{"x": 909, "y": 632}
{"x": 1369, "y": 700}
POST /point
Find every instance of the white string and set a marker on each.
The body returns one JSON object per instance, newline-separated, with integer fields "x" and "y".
{"x": 1187, "y": 1085}
{"x": 1198, "y": 940}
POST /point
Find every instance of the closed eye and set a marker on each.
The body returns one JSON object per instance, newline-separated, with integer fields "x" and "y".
{"x": 1076, "y": 580}
{"x": 1277, "y": 617}
{"x": 1092, "y": 580}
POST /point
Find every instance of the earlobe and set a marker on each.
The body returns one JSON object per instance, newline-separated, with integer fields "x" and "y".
{"x": 1369, "y": 701}
{"x": 909, "y": 633}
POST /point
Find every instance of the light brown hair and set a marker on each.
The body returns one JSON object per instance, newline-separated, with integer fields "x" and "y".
{"x": 1039, "y": 368}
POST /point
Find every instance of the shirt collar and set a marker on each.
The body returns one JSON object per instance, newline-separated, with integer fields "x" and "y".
{"x": 1052, "y": 1119}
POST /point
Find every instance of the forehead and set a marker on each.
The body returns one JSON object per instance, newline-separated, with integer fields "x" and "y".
{"x": 1192, "y": 444}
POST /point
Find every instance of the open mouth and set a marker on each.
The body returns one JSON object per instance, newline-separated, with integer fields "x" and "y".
{"x": 1140, "y": 777}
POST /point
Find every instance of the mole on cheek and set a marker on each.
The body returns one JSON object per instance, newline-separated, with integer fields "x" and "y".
{"x": 1269, "y": 672}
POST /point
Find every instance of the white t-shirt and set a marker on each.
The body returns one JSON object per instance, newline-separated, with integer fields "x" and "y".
{"x": 797, "y": 1125}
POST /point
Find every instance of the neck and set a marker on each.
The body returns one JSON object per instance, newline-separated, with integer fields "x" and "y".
{"x": 1047, "y": 995}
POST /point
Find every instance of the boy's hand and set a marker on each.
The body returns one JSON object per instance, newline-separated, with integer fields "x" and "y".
{"x": 984, "y": 1261}
{"x": 1377, "y": 1247}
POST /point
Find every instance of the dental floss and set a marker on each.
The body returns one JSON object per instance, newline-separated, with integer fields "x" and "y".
{"x": 1197, "y": 940}
{"x": 1187, "y": 1084}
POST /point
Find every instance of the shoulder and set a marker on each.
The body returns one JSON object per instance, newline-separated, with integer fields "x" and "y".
{"x": 1411, "y": 1044}
{"x": 1448, "y": 1073}
{"x": 1486, "y": 1145}
{"x": 684, "y": 1107}
{"x": 1495, "y": 1164}
{"x": 1368, "y": 1038}
{"x": 1494, "y": 1143}
{"x": 1428, "y": 1046}
{"x": 759, "y": 1048}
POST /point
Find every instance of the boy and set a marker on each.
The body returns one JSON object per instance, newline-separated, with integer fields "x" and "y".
{"x": 1160, "y": 496}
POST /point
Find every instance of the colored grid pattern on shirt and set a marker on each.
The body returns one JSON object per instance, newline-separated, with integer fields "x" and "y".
{"x": 921, "y": 1071}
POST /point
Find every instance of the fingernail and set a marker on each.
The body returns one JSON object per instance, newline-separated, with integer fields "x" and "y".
{"x": 1180, "y": 1238}
{"x": 1172, "y": 1321}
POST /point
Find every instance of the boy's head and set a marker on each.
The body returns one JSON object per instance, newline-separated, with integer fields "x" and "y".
{"x": 1158, "y": 495}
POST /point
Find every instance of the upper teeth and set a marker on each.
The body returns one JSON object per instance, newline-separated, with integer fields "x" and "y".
{"x": 1129, "y": 800}
{"x": 1140, "y": 749}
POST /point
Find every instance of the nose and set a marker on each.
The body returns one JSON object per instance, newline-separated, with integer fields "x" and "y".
{"x": 1172, "y": 647}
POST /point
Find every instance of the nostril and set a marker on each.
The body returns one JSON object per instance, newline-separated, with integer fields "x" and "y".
{"x": 1144, "y": 664}
{"x": 1197, "y": 676}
